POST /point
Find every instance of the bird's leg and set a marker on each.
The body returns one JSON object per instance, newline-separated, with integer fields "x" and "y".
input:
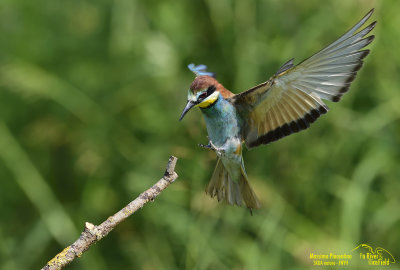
{"x": 211, "y": 146}
{"x": 216, "y": 149}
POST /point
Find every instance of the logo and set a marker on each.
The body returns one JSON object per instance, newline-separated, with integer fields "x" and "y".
{"x": 362, "y": 254}
{"x": 378, "y": 257}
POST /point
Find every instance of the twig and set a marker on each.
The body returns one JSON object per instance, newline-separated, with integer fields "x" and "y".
{"x": 92, "y": 233}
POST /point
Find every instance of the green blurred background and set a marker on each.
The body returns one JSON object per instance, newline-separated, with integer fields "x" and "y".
{"x": 90, "y": 96}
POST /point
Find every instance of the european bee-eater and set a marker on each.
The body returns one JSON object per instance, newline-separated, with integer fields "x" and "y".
{"x": 288, "y": 102}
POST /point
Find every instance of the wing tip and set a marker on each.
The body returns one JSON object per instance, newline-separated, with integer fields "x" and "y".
{"x": 371, "y": 26}
{"x": 368, "y": 15}
{"x": 350, "y": 79}
{"x": 369, "y": 39}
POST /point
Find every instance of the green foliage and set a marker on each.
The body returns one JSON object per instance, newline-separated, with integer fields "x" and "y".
{"x": 90, "y": 96}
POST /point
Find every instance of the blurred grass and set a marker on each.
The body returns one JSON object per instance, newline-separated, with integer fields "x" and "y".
{"x": 90, "y": 94}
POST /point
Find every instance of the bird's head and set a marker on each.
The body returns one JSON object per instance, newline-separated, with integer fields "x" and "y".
{"x": 202, "y": 93}
{"x": 204, "y": 90}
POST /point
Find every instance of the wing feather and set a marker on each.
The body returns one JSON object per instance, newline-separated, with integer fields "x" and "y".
{"x": 292, "y": 99}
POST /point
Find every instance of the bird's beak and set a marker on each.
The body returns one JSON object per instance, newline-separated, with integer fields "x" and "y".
{"x": 189, "y": 105}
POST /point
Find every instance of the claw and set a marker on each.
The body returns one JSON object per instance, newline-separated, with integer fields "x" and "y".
{"x": 208, "y": 146}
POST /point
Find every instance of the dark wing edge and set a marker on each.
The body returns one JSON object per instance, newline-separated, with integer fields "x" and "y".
{"x": 291, "y": 100}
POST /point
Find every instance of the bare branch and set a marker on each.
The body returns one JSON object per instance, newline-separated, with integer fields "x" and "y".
{"x": 92, "y": 233}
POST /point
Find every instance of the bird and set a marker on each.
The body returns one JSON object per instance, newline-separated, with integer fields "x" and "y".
{"x": 288, "y": 102}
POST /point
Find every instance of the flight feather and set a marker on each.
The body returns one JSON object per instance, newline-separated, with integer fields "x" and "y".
{"x": 292, "y": 99}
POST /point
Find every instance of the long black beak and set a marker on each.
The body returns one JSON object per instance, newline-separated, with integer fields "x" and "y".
{"x": 189, "y": 105}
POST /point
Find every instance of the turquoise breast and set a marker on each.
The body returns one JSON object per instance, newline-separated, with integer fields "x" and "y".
{"x": 221, "y": 121}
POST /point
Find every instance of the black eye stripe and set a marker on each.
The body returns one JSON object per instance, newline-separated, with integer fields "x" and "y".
{"x": 211, "y": 90}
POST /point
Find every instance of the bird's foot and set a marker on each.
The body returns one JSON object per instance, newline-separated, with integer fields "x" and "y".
{"x": 216, "y": 149}
{"x": 211, "y": 146}
{"x": 208, "y": 146}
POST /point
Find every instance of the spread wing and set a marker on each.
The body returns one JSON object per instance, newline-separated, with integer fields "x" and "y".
{"x": 291, "y": 100}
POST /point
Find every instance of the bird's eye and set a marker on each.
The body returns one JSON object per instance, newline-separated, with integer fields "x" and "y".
{"x": 203, "y": 96}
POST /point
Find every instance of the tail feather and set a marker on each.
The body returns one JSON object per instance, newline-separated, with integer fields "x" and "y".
{"x": 225, "y": 189}
{"x": 248, "y": 194}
